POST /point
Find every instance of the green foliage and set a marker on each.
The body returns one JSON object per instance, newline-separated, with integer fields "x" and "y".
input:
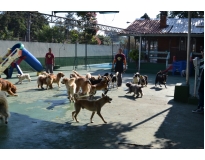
{"x": 145, "y": 16}
{"x": 184, "y": 14}
{"x": 54, "y": 34}
{"x": 17, "y": 23}
{"x": 134, "y": 54}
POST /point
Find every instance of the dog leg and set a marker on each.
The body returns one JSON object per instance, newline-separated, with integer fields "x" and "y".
{"x": 75, "y": 113}
{"x": 92, "y": 117}
{"x": 128, "y": 92}
{"x": 11, "y": 93}
{"x": 101, "y": 116}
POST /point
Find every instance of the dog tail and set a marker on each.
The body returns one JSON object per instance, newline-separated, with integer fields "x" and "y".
{"x": 88, "y": 76}
{"x": 75, "y": 96}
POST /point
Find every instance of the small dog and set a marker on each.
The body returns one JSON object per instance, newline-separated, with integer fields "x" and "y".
{"x": 136, "y": 78}
{"x": 135, "y": 89}
{"x": 91, "y": 105}
{"x": 71, "y": 87}
{"x": 143, "y": 80}
{"x": 56, "y": 78}
{"x": 4, "y": 113}
{"x": 45, "y": 79}
{"x": 21, "y": 77}
{"x": 114, "y": 79}
{"x": 7, "y": 86}
{"x": 161, "y": 79}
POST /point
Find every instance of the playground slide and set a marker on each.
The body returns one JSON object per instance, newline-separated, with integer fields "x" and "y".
{"x": 9, "y": 59}
{"x": 28, "y": 57}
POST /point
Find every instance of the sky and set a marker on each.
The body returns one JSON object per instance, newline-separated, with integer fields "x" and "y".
{"x": 118, "y": 20}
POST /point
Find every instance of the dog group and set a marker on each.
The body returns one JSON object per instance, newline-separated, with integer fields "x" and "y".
{"x": 139, "y": 81}
{"x": 80, "y": 88}
{"x": 87, "y": 86}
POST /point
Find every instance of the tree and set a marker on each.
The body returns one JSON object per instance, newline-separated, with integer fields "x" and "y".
{"x": 17, "y": 22}
{"x": 145, "y": 16}
{"x": 88, "y": 33}
{"x": 184, "y": 14}
{"x": 49, "y": 34}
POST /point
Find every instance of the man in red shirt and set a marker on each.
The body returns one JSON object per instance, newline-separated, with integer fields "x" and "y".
{"x": 118, "y": 61}
{"x": 49, "y": 61}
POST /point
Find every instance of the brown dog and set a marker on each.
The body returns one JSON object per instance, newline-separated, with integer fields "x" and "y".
{"x": 71, "y": 87}
{"x": 76, "y": 74}
{"x": 83, "y": 84}
{"x": 91, "y": 105}
{"x": 7, "y": 86}
{"x": 4, "y": 111}
{"x": 45, "y": 79}
{"x": 102, "y": 85}
{"x": 56, "y": 78}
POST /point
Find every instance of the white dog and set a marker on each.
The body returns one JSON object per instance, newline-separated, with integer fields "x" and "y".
{"x": 136, "y": 78}
{"x": 4, "y": 113}
{"x": 22, "y": 77}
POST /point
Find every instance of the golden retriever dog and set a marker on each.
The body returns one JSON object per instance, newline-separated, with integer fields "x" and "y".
{"x": 4, "y": 113}
{"x": 45, "y": 79}
{"x": 82, "y": 84}
{"x": 88, "y": 75}
{"x": 7, "y": 86}
{"x": 56, "y": 78}
{"x": 21, "y": 77}
{"x": 91, "y": 105}
{"x": 102, "y": 85}
{"x": 71, "y": 87}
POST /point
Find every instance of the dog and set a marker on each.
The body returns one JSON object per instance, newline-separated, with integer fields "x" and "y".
{"x": 46, "y": 79}
{"x": 82, "y": 85}
{"x": 91, "y": 105}
{"x": 76, "y": 74}
{"x": 143, "y": 80}
{"x": 71, "y": 87}
{"x": 135, "y": 89}
{"x": 7, "y": 86}
{"x": 161, "y": 78}
{"x": 114, "y": 79}
{"x": 57, "y": 78}
{"x": 21, "y": 77}
{"x": 136, "y": 78}
{"x": 103, "y": 85}
{"x": 4, "y": 113}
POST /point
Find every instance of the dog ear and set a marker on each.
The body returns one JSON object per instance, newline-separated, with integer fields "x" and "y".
{"x": 103, "y": 95}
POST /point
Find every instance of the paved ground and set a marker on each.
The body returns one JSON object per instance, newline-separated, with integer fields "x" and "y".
{"x": 42, "y": 119}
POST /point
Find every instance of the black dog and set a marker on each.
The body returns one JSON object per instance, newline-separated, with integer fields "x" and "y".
{"x": 161, "y": 78}
{"x": 114, "y": 79}
{"x": 134, "y": 88}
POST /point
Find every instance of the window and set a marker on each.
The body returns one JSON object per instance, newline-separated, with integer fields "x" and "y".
{"x": 182, "y": 43}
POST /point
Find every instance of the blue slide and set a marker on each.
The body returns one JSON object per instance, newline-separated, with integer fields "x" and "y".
{"x": 28, "y": 57}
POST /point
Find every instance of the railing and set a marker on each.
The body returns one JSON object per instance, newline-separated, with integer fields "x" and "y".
{"x": 155, "y": 55}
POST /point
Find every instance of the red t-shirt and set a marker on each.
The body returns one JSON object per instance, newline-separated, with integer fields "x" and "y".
{"x": 49, "y": 58}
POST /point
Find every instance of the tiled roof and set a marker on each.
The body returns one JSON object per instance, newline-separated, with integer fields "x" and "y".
{"x": 174, "y": 25}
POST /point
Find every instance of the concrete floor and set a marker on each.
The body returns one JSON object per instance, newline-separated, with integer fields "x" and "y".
{"x": 41, "y": 119}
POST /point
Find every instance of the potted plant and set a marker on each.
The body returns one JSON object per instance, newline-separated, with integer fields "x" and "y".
{"x": 134, "y": 56}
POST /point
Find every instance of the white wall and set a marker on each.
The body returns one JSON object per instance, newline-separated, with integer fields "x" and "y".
{"x": 60, "y": 50}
